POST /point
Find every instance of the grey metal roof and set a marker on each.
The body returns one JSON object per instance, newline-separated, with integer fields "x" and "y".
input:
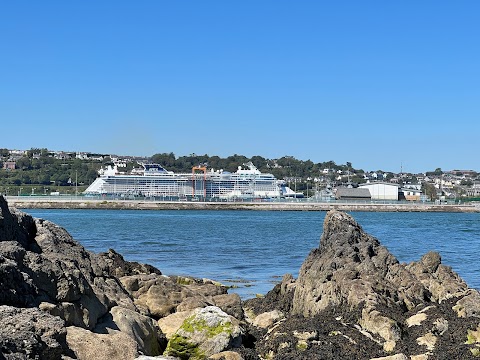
{"x": 360, "y": 193}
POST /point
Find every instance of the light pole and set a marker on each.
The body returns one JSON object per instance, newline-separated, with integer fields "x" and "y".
{"x": 295, "y": 195}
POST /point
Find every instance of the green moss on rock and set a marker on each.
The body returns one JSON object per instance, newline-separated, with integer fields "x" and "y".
{"x": 302, "y": 345}
{"x": 185, "y": 281}
{"x": 473, "y": 336}
{"x": 199, "y": 332}
{"x": 475, "y": 352}
{"x": 191, "y": 325}
{"x": 182, "y": 348}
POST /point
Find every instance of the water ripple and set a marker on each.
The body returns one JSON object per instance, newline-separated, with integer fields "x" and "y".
{"x": 259, "y": 247}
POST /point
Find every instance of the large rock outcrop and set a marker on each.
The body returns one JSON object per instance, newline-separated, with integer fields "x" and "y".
{"x": 354, "y": 299}
{"x": 57, "y": 299}
{"x": 351, "y": 267}
{"x": 43, "y": 266}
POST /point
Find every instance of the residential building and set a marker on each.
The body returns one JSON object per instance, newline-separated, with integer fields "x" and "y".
{"x": 412, "y": 193}
{"x": 9, "y": 165}
{"x": 473, "y": 191}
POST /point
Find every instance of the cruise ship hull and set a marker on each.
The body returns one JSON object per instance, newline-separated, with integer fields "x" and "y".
{"x": 198, "y": 185}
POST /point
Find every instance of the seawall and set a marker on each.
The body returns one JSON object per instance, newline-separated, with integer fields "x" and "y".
{"x": 82, "y": 203}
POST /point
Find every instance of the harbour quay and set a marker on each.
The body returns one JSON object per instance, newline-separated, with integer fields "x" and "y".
{"x": 82, "y": 202}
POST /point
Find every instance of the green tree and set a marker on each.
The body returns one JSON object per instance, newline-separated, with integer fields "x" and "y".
{"x": 166, "y": 160}
{"x": 259, "y": 161}
{"x": 234, "y": 161}
{"x": 429, "y": 190}
{"x": 215, "y": 162}
{"x": 358, "y": 179}
{"x": 107, "y": 160}
{"x": 330, "y": 165}
{"x": 24, "y": 163}
{"x": 90, "y": 176}
{"x": 438, "y": 171}
{"x": 26, "y": 178}
{"x": 43, "y": 179}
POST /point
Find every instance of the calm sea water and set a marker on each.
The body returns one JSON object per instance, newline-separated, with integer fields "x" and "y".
{"x": 254, "y": 249}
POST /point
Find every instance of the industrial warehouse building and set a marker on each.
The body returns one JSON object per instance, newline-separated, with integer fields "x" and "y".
{"x": 381, "y": 190}
{"x": 344, "y": 193}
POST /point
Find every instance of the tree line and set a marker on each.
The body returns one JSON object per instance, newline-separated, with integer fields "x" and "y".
{"x": 286, "y": 166}
{"x": 39, "y": 167}
{"x": 46, "y": 170}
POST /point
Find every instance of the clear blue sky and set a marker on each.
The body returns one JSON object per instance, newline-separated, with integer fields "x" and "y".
{"x": 375, "y": 83}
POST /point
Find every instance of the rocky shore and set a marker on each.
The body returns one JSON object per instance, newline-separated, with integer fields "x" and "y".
{"x": 352, "y": 300}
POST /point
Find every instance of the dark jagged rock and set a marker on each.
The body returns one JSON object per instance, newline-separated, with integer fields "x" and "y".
{"x": 43, "y": 271}
{"x": 353, "y": 299}
{"x": 49, "y": 282}
{"x": 16, "y": 225}
{"x": 352, "y": 267}
{"x": 31, "y": 333}
{"x": 118, "y": 267}
{"x": 279, "y": 298}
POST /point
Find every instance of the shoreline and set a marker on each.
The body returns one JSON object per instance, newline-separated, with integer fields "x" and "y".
{"x": 82, "y": 203}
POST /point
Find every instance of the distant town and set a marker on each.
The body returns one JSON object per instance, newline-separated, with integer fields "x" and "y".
{"x": 42, "y": 171}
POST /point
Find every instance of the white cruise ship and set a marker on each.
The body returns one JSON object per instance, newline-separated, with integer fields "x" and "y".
{"x": 154, "y": 180}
